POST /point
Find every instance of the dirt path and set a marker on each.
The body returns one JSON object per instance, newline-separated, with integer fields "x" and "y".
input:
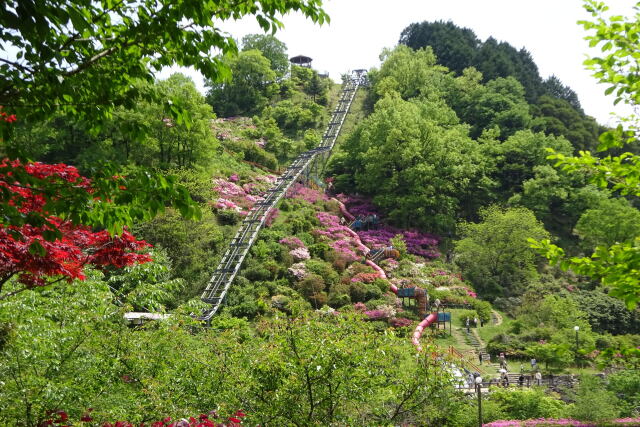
{"x": 496, "y": 318}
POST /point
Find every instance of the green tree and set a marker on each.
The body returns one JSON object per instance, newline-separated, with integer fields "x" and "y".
{"x": 83, "y": 59}
{"x": 612, "y": 221}
{"x": 494, "y": 254}
{"x": 253, "y": 84}
{"x": 616, "y": 265}
{"x": 66, "y": 48}
{"x": 409, "y": 73}
{"x": 416, "y": 162}
{"x": 516, "y": 158}
{"x": 271, "y": 48}
{"x": 558, "y": 117}
{"x": 455, "y": 47}
{"x": 593, "y": 402}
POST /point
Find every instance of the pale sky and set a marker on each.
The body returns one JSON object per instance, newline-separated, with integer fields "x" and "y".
{"x": 360, "y": 29}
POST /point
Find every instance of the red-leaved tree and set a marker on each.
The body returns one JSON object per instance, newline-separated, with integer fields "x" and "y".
{"x": 46, "y": 248}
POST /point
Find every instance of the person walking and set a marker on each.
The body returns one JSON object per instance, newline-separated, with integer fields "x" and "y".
{"x": 538, "y": 378}
{"x": 467, "y": 324}
{"x": 534, "y": 363}
{"x": 503, "y": 361}
{"x": 480, "y": 358}
{"x": 521, "y": 380}
{"x": 475, "y": 322}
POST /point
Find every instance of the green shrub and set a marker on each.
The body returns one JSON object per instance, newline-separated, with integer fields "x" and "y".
{"x": 483, "y": 308}
{"x": 324, "y": 270}
{"x": 372, "y": 291}
{"x": 339, "y": 300}
{"x": 593, "y": 402}
{"x": 311, "y": 284}
{"x": 530, "y": 403}
{"x": 358, "y": 291}
{"x": 257, "y": 273}
{"x": 467, "y": 314}
{"x": 228, "y": 217}
{"x": 320, "y": 250}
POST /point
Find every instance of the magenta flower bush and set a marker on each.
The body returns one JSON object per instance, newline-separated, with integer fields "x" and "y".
{"x": 421, "y": 244}
{"x": 359, "y": 306}
{"x": 292, "y": 242}
{"x": 271, "y": 216}
{"x": 418, "y": 243}
{"x": 300, "y": 254}
{"x": 227, "y": 188}
{"x": 238, "y": 198}
{"x": 376, "y": 314}
{"x": 544, "y": 422}
{"x": 328, "y": 220}
{"x": 344, "y": 249}
{"x": 299, "y": 191}
{"x": 365, "y": 277}
{"x": 358, "y": 205}
{"x": 400, "y": 322}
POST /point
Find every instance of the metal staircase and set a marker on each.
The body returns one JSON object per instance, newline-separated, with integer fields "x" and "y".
{"x": 231, "y": 262}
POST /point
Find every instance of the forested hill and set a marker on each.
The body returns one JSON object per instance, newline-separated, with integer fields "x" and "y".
{"x": 555, "y": 107}
{"x": 444, "y": 192}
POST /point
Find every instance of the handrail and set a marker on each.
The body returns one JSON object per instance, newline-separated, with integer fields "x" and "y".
{"x": 238, "y": 249}
{"x": 456, "y": 353}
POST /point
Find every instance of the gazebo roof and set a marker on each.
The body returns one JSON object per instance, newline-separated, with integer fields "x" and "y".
{"x": 300, "y": 59}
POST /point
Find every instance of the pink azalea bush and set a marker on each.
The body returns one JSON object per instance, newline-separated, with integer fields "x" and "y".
{"x": 298, "y": 271}
{"x": 376, "y": 314}
{"x": 241, "y": 198}
{"x": 400, "y": 322}
{"x": 560, "y": 422}
{"x": 310, "y": 195}
{"x": 359, "y": 306}
{"x": 292, "y": 242}
{"x": 300, "y": 254}
{"x": 365, "y": 277}
{"x": 418, "y": 243}
{"x": 271, "y": 216}
{"x": 344, "y": 249}
{"x": 381, "y": 313}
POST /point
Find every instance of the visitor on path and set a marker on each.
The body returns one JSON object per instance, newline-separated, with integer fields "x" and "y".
{"x": 357, "y": 224}
{"x": 503, "y": 361}
{"x": 475, "y": 322}
{"x": 481, "y": 322}
{"x": 533, "y": 363}
{"x": 521, "y": 380}
{"x": 368, "y": 222}
{"x": 504, "y": 377}
{"x": 538, "y": 377}
{"x": 374, "y": 222}
{"x": 467, "y": 324}
{"x": 480, "y": 357}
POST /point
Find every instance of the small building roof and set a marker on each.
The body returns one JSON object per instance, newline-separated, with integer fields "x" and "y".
{"x": 300, "y": 59}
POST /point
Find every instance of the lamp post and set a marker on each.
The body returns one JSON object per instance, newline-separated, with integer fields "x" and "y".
{"x": 576, "y": 328}
{"x": 479, "y": 390}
